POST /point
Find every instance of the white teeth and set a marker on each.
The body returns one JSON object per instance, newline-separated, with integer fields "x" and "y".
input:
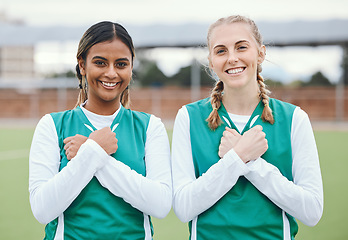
{"x": 235, "y": 70}
{"x": 109, "y": 84}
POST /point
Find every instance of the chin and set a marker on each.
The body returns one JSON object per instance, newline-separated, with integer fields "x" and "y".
{"x": 235, "y": 84}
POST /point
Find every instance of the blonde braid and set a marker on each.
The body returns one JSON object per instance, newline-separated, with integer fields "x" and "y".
{"x": 267, "y": 115}
{"x": 214, "y": 119}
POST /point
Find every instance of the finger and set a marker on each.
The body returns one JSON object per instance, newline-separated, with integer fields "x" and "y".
{"x": 258, "y": 127}
{"x": 66, "y": 146}
{"x": 233, "y": 131}
{"x": 220, "y": 151}
{"x": 229, "y": 129}
{"x": 263, "y": 134}
{"x": 68, "y": 139}
{"x": 68, "y": 155}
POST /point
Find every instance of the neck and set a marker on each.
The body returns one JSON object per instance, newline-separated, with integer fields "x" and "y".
{"x": 107, "y": 108}
{"x": 240, "y": 102}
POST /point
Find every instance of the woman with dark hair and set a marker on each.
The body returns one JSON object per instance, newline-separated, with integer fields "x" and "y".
{"x": 100, "y": 170}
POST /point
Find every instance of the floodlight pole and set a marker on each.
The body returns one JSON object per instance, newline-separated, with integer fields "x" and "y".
{"x": 340, "y": 87}
{"x": 195, "y": 80}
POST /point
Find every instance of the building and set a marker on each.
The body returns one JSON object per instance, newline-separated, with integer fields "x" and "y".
{"x": 16, "y": 62}
{"x": 16, "y": 56}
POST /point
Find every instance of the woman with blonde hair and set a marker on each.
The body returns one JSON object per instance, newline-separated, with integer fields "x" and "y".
{"x": 100, "y": 170}
{"x": 244, "y": 165}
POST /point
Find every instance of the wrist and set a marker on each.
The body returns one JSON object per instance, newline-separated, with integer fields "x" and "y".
{"x": 241, "y": 154}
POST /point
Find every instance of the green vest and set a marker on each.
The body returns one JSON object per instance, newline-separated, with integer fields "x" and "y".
{"x": 96, "y": 213}
{"x": 243, "y": 213}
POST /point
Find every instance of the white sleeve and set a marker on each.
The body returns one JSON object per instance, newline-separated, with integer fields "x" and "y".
{"x": 51, "y": 191}
{"x": 151, "y": 194}
{"x": 302, "y": 198}
{"x": 192, "y": 195}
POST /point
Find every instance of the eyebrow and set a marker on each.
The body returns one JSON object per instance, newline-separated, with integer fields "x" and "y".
{"x": 117, "y": 60}
{"x": 240, "y": 41}
{"x": 217, "y": 46}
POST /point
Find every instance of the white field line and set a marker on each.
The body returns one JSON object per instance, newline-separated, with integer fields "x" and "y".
{"x": 14, "y": 154}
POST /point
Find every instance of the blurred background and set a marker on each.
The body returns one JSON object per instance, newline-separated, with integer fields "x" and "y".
{"x": 306, "y": 64}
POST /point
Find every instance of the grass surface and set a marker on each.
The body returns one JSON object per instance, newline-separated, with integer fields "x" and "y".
{"x": 17, "y": 221}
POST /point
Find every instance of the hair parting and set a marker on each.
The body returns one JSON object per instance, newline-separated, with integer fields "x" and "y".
{"x": 97, "y": 33}
{"x": 214, "y": 119}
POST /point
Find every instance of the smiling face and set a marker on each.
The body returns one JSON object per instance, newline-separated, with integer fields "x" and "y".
{"x": 108, "y": 70}
{"x": 234, "y": 55}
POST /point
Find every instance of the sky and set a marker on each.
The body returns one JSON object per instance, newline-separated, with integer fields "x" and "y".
{"x": 77, "y": 12}
{"x": 87, "y": 12}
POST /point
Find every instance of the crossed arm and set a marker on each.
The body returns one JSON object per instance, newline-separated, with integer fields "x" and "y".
{"x": 302, "y": 198}
{"x": 51, "y": 191}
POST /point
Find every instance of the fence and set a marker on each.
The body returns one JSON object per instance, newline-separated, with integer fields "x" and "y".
{"x": 33, "y": 102}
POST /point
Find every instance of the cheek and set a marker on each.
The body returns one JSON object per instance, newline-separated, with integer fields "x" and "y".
{"x": 216, "y": 63}
{"x": 126, "y": 75}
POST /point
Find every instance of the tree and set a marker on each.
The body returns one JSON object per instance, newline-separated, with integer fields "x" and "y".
{"x": 150, "y": 75}
{"x": 273, "y": 83}
{"x": 296, "y": 83}
{"x": 183, "y": 77}
{"x": 318, "y": 79}
{"x": 66, "y": 74}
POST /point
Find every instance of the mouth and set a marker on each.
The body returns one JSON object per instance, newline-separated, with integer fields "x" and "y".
{"x": 235, "y": 70}
{"x": 110, "y": 85}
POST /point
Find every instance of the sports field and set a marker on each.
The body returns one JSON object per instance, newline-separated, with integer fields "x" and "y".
{"x": 17, "y": 221}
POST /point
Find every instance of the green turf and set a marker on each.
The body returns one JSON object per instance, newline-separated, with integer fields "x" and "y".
{"x": 17, "y": 222}
{"x": 333, "y": 155}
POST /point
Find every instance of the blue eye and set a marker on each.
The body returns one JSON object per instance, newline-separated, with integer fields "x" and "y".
{"x": 242, "y": 47}
{"x": 220, "y": 51}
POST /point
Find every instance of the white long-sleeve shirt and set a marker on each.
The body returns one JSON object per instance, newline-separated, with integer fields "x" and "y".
{"x": 302, "y": 198}
{"x": 52, "y": 192}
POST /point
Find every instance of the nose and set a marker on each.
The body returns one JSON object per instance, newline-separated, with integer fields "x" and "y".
{"x": 232, "y": 58}
{"x": 111, "y": 72}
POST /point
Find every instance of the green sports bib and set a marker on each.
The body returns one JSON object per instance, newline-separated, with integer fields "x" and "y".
{"x": 96, "y": 213}
{"x": 243, "y": 212}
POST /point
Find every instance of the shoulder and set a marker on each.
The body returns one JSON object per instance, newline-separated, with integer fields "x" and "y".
{"x": 62, "y": 114}
{"x": 300, "y": 115}
{"x": 45, "y": 121}
{"x": 278, "y": 103}
{"x": 138, "y": 114}
{"x": 200, "y": 103}
{"x": 136, "y": 118}
{"x": 201, "y": 108}
{"x": 155, "y": 121}
{"x": 46, "y": 127}
{"x": 281, "y": 108}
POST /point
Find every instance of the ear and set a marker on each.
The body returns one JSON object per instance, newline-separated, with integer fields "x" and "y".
{"x": 82, "y": 66}
{"x": 262, "y": 54}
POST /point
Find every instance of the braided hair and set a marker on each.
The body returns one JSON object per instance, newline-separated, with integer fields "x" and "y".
{"x": 214, "y": 119}
{"x": 101, "y": 32}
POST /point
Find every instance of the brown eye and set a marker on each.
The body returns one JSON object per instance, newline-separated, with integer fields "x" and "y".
{"x": 121, "y": 64}
{"x": 99, "y": 63}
